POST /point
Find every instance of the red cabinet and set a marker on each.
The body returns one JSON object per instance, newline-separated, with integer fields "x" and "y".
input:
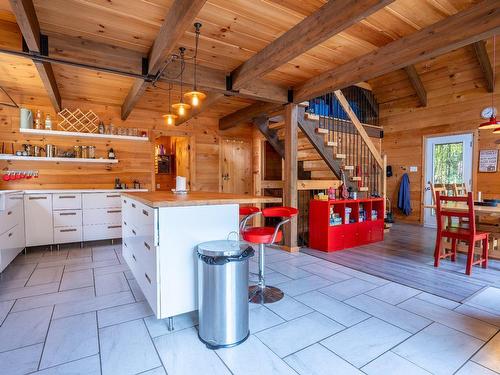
{"x": 341, "y": 224}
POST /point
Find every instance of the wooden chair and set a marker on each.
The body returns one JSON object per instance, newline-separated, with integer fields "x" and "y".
{"x": 469, "y": 234}
{"x": 434, "y": 188}
{"x": 459, "y": 190}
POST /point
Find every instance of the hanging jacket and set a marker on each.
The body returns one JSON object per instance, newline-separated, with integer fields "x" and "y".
{"x": 404, "y": 203}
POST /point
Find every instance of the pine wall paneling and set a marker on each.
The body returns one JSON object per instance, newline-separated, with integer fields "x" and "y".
{"x": 456, "y": 93}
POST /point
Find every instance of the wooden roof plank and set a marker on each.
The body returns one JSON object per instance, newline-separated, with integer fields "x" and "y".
{"x": 329, "y": 20}
{"x": 27, "y": 20}
{"x": 476, "y": 23}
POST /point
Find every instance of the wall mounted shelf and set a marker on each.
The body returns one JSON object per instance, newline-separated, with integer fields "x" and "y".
{"x": 83, "y": 135}
{"x": 58, "y": 160}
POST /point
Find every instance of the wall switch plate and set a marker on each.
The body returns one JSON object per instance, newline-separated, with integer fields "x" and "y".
{"x": 157, "y": 186}
{"x": 413, "y": 168}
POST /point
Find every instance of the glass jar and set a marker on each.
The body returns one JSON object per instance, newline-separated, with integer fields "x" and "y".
{"x": 91, "y": 152}
{"x": 78, "y": 151}
{"x": 85, "y": 152}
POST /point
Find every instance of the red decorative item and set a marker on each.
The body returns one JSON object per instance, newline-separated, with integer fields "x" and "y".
{"x": 6, "y": 177}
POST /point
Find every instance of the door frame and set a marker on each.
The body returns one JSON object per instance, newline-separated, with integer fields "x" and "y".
{"x": 192, "y": 154}
{"x": 475, "y": 155}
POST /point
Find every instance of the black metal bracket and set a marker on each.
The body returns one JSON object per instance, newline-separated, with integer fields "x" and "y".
{"x": 290, "y": 96}
{"x": 145, "y": 66}
{"x": 229, "y": 83}
{"x": 44, "y": 46}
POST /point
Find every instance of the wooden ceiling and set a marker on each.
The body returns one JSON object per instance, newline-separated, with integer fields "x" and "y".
{"x": 232, "y": 32}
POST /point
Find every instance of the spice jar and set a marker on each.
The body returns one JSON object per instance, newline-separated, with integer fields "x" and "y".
{"x": 91, "y": 152}
{"x": 85, "y": 152}
{"x": 78, "y": 151}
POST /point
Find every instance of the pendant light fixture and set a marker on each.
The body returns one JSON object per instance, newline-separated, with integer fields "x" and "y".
{"x": 195, "y": 96}
{"x": 170, "y": 117}
{"x": 492, "y": 123}
{"x": 181, "y": 107}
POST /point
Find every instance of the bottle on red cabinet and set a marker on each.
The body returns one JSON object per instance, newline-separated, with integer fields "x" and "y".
{"x": 331, "y": 193}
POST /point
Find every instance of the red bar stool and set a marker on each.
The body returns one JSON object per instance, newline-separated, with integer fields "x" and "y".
{"x": 261, "y": 293}
{"x": 460, "y": 233}
{"x": 246, "y": 212}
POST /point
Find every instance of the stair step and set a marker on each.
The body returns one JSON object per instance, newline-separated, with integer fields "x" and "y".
{"x": 339, "y": 156}
{"x": 348, "y": 167}
{"x": 309, "y": 116}
{"x": 331, "y": 144}
{"x": 356, "y": 178}
{"x": 363, "y": 188}
{"x": 321, "y": 131}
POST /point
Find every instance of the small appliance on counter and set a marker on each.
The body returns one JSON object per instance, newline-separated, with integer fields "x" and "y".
{"x": 180, "y": 185}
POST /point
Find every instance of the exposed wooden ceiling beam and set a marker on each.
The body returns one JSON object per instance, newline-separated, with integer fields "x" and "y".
{"x": 179, "y": 18}
{"x": 211, "y": 99}
{"x": 484, "y": 62}
{"x": 24, "y": 11}
{"x": 247, "y": 114}
{"x": 417, "y": 84}
{"x": 331, "y": 19}
{"x": 476, "y": 23}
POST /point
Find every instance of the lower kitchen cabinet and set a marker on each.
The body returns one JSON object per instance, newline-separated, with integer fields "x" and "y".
{"x": 12, "y": 240}
{"x": 38, "y": 219}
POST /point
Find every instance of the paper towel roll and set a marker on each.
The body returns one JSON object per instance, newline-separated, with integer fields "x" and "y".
{"x": 180, "y": 183}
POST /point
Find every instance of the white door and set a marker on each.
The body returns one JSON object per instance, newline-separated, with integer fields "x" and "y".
{"x": 448, "y": 160}
{"x": 38, "y": 219}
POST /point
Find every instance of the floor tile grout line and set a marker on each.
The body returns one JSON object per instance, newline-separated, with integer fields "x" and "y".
{"x": 153, "y": 343}
{"x": 446, "y": 325}
{"x": 477, "y": 351}
{"x": 276, "y": 354}
{"x": 98, "y": 340}
{"x": 46, "y": 335}
{"x": 479, "y": 364}
{"x": 61, "y": 364}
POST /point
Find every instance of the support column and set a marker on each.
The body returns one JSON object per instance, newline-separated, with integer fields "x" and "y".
{"x": 290, "y": 175}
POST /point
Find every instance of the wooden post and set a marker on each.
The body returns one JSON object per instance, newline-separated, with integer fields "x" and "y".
{"x": 257, "y": 164}
{"x": 384, "y": 181}
{"x": 290, "y": 175}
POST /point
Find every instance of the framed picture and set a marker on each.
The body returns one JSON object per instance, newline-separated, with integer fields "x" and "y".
{"x": 488, "y": 160}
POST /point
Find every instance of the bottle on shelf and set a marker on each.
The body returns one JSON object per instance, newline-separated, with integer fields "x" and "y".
{"x": 111, "y": 154}
{"x": 38, "y": 119}
{"x": 48, "y": 122}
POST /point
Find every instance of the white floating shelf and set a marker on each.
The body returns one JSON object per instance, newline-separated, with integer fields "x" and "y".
{"x": 84, "y": 135}
{"x": 58, "y": 160}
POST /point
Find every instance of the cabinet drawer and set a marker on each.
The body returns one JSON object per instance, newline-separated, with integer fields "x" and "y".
{"x": 101, "y": 232}
{"x": 13, "y": 238}
{"x": 101, "y": 200}
{"x": 149, "y": 287}
{"x": 102, "y": 216}
{"x": 138, "y": 214}
{"x": 67, "y": 218}
{"x": 68, "y": 234}
{"x": 13, "y": 213}
{"x": 66, "y": 201}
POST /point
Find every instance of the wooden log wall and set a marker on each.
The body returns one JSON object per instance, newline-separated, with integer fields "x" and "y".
{"x": 136, "y": 159}
{"x": 456, "y": 93}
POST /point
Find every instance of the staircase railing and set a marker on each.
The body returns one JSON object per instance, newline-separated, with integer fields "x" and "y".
{"x": 347, "y": 137}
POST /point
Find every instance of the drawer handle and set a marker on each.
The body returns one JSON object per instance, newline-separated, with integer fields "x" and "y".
{"x": 125, "y": 244}
{"x": 67, "y": 196}
{"x": 113, "y": 196}
{"x": 67, "y": 214}
{"x": 67, "y": 230}
{"x": 16, "y": 198}
{"x": 133, "y": 231}
{"x": 114, "y": 226}
{"x": 147, "y": 277}
{"x": 114, "y": 211}
{"x": 133, "y": 256}
{"x": 133, "y": 205}
{"x": 9, "y": 213}
{"x": 147, "y": 246}
{"x": 125, "y": 222}
{"x": 10, "y": 234}
{"x": 34, "y": 198}
{"x": 145, "y": 212}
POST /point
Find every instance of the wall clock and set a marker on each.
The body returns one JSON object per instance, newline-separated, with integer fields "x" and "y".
{"x": 488, "y": 112}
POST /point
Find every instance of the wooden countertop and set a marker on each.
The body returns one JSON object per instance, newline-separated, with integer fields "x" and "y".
{"x": 197, "y": 198}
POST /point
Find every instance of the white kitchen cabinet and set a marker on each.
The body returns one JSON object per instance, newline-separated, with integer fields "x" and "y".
{"x": 101, "y": 200}
{"x": 38, "y": 219}
{"x": 67, "y": 218}
{"x": 66, "y": 201}
{"x": 12, "y": 240}
{"x": 68, "y": 234}
{"x": 102, "y": 216}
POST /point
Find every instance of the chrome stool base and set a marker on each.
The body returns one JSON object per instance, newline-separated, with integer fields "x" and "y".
{"x": 262, "y": 295}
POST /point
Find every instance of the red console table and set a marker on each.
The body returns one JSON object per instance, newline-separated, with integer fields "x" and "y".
{"x": 330, "y": 229}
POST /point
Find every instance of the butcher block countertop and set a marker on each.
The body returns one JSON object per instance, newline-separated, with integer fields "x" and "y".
{"x": 196, "y": 198}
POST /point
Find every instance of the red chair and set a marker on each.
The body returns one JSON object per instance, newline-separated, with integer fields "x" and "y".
{"x": 467, "y": 234}
{"x": 261, "y": 293}
{"x": 246, "y": 212}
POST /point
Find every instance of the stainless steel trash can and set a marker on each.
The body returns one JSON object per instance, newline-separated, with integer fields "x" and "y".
{"x": 223, "y": 293}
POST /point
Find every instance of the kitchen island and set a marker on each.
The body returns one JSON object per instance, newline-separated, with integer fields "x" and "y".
{"x": 160, "y": 234}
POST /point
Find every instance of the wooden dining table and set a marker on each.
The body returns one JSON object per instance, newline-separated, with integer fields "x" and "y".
{"x": 487, "y": 220}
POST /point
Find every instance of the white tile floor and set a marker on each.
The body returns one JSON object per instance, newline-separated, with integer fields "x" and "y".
{"x": 79, "y": 311}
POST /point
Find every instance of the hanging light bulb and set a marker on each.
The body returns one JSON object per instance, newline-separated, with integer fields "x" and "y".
{"x": 194, "y": 95}
{"x": 181, "y": 107}
{"x": 169, "y": 117}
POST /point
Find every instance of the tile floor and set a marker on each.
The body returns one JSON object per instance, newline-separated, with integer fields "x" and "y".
{"x": 79, "y": 311}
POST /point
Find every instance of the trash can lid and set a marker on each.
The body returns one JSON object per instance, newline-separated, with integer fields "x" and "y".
{"x": 222, "y": 248}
